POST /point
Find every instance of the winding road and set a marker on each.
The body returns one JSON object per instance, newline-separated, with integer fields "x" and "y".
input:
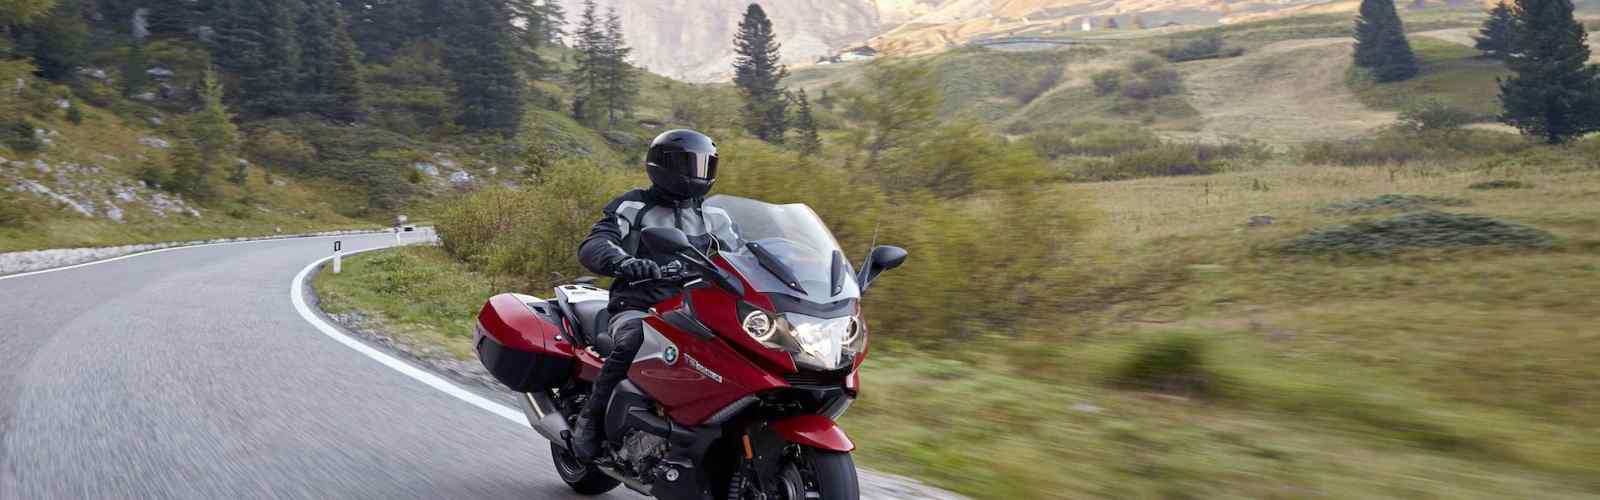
{"x": 189, "y": 373}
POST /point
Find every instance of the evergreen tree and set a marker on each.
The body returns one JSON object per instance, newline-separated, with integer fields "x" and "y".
{"x": 1495, "y": 38}
{"x": 531, "y": 33}
{"x": 211, "y": 129}
{"x": 1554, "y": 94}
{"x": 586, "y": 78}
{"x": 621, "y": 81}
{"x": 331, "y": 78}
{"x": 171, "y": 17}
{"x": 191, "y": 176}
{"x": 57, "y": 40}
{"x": 1381, "y": 43}
{"x": 133, "y": 69}
{"x": 807, "y": 141}
{"x": 488, "y": 87}
{"x": 256, "y": 41}
{"x": 381, "y": 28}
{"x": 757, "y": 73}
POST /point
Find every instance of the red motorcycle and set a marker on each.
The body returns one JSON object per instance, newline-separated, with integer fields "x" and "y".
{"x": 741, "y": 377}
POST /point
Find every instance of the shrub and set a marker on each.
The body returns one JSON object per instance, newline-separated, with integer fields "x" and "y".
{"x": 1167, "y": 160}
{"x": 1092, "y": 139}
{"x": 1418, "y": 230}
{"x": 1108, "y": 82}
{"x": 1395, "y": 202}
{"x": 18, "y": 134}
{"x": 277, "y": 148}
{"x": 13, "y": 213}
{"x": 1205, "y": 46}
{"x": 1142, "y": 64}
{"x": 153, "y": 176}
{"x": 1173, "y": 363}
{"x": 75, "y": 115}
{"x": 1032, "y": 85}
{"x": 1501, "y": 184}
{"x": 1433, "y": 114}
{"x": 1401, "y": 147}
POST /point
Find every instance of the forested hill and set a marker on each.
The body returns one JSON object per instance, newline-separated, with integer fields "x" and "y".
{"x": 392, "y": 100}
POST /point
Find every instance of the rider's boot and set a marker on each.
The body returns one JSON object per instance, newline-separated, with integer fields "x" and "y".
{"x": 586, "y": 437}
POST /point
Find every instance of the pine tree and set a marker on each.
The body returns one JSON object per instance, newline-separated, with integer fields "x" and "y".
{"x": 57, "y": 41}
{"x": 331, "y": 78}
{"x": 586, "y": 78}
{"x": 171, "y": 17}
{"x": 757, "y": 73}
{"x": 621, "y": 83}
{"x": 256, "y": 41}
{"x": 807, "y": 141}
{"x": 133, "y": 69}
{"x": 381, "y": 28}
{"x": 191, "y": 175}
{"x": 531, "y": 33}
{"x": 211, "y": 129}
{"x": 1381, "y": 43}
{"x": 1495, "y": 38}
{"x": 488, "y": 85}
{"x": 1554, "y": 93}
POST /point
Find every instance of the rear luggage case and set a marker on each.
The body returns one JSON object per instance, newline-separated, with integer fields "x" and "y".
{"x": 519, "y": 339}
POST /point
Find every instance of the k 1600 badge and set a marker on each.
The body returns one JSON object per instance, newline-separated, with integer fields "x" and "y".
{"x": 703, "y": 370}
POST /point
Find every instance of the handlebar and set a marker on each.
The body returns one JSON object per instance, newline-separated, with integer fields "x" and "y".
{"x": 672, "y": 274}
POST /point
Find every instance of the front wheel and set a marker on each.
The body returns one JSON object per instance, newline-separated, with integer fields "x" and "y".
{"x": 811, "y": 474}
{"x": 584, "y": 478}
{"x": 835, "y": 474}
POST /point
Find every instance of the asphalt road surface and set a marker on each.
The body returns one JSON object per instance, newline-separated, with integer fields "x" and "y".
{"x": 188, "y": 373}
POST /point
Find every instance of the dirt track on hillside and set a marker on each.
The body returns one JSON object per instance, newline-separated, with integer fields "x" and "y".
{"x": 1285, "y": 93}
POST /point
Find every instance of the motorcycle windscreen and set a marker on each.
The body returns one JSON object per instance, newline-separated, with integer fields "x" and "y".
{"x": 782, "y": 249}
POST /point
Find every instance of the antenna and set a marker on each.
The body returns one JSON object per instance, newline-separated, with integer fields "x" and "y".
{"x": 866, "y": 263}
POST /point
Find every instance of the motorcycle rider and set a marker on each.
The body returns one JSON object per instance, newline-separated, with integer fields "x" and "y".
{"x": 682, "y": 165}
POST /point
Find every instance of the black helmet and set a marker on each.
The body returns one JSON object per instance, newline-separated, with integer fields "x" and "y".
{"x": 682, "y": 163}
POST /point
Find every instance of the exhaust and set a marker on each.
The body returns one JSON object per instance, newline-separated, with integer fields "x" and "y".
{"x": 545, "y": 418}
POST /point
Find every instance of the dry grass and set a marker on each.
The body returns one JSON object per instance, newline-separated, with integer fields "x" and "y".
{"x": 1285, "y": 93}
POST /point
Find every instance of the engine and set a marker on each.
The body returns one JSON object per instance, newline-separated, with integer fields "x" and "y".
{"x": 641, "y": 452}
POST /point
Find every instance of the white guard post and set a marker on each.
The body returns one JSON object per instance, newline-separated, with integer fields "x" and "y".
{"x": 338, "y": 256}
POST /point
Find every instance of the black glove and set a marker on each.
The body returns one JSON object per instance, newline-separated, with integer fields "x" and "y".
{"x": 635, "y": 269}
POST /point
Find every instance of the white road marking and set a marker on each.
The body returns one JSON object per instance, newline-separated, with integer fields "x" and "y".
{"x": 179, "y": 247}
{"x": 297, "y": 295}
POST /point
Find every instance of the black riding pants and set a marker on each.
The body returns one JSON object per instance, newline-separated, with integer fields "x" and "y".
{"x": 627, "y": 334}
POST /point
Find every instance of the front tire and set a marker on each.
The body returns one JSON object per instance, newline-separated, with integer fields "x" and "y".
{"x": 835, "y": 474}
{"x": 583, "y": 478}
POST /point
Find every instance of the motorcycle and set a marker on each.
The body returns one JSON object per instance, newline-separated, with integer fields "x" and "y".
{"x": 742, "y": 376}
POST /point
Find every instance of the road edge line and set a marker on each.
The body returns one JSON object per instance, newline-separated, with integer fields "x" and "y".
{"x": 180, "y": 246}
{"x": 297, "y": 296}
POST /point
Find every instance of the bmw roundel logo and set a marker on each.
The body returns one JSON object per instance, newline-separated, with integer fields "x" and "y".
{"x": 670, "y": 355}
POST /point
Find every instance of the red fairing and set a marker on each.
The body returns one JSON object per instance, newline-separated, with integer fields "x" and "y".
{"x": 689, "y": 387}
{"x": 815, "y": 431}
{"x": 720, "y": 311}
{"x": 514, "y": 324}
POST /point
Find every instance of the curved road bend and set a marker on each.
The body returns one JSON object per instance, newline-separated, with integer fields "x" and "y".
{"x": 188, "y": 374}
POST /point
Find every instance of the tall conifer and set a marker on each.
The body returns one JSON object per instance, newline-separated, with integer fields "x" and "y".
{"x": 1554, "y": 93}
{"x": 758, "y": 74}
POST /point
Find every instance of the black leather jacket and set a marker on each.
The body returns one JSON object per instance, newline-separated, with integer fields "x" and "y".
{"x": 615, "y": 238}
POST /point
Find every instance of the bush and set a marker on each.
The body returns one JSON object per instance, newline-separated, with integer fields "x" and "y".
{"x": 75, "y": 115}
{"x": 1418, "y": 230}
{"x": 1168, "y": 160}
{"x": 1032, "y": 85}
{"x": 1500, "y": 184}
{"x": 1174, "y": 363}
{"x": 1433, "y": 114}
{"x": 18, "y": 134}
{"x": 1402, "y": 147}
{"x": 280, "y": 149}
{"x": 1092, "y": 139}
{"x": 13, "y": 213}
{"x": 1205, "y": 46}
{"x": 1109, "y": 81}
{"x": 153, "y": 176}
{"x": 1395, "y": 202}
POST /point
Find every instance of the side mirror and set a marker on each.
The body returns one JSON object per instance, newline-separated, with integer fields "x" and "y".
{"x": 665, "y": 240}
{"x": 884, "y": 258}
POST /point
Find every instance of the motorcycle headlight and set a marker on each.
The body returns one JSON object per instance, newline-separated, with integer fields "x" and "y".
{"x": 822, "y": 342}
{"x": 760, "y": 326}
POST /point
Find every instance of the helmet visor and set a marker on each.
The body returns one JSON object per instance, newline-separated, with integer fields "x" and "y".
{"x": 690, "y": 164}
